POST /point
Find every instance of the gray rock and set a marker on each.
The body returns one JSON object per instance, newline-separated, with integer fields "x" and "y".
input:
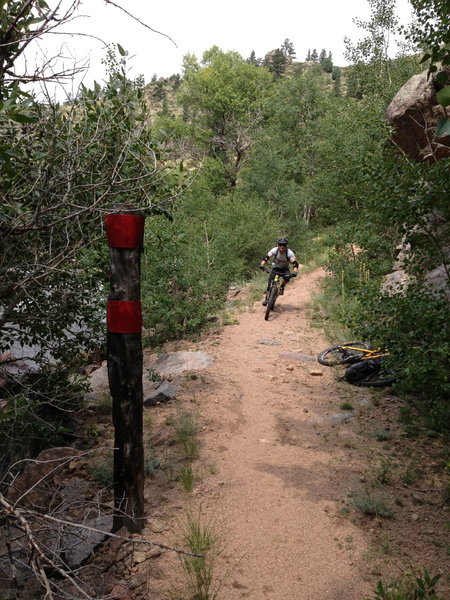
{"x": 295, "y": 356}
{"x": 178, "y": 362}
{"x": 269, "y": 342}
{"x": 137, "y": 580}
{"x": 77, "y": 544}
{"x": 163, "y": 392}
{"x": 99, "y": 387}
{"x": 75, "y": 490}
{"x": 413, "y": 114}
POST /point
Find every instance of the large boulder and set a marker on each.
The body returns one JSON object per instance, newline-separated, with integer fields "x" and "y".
{"x": 414, "y": 114}
{"x": 179, "y": 362}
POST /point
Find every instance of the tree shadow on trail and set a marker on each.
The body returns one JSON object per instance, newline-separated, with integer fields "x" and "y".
{"x": 281, "y": 309}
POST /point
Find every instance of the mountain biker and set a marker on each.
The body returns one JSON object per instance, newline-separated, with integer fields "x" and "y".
{"x": 282, "y": 258}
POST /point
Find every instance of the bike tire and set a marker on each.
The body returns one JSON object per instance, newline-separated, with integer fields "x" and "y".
{"x": 380, "y": 379}
{"x": 271, "y": 301}
{"x": 335, "y": 355}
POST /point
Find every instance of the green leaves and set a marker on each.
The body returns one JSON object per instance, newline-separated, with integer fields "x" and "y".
{"x": 443, "y": 96}
{"x": 408, "y": 589}
{"x": 443, "y": 127}
{"x": 22, "y": 118}
{"x": 442, "y": 77}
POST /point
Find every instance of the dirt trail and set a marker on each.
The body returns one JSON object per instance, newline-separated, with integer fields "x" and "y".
{"x": 279, "y": 483}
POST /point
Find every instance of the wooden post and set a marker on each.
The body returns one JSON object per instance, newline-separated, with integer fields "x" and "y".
{"x": 124, "y": 354}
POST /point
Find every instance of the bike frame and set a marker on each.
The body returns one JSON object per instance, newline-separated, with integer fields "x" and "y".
{"x": 376, "y": 353}
{"x": 275, "y": 286}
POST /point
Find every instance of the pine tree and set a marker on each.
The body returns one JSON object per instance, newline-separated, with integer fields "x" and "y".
{"x": 308, "y": 56}
{"x": 314, "y": 55}
{"x": 323, "y": 55}
{"x": 287, "y": 49}
{"x": 253, "y": 60}
{"x": 276, "y": 62}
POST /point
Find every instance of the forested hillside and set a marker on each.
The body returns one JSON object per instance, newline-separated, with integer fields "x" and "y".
{"x": 222, "y": 158}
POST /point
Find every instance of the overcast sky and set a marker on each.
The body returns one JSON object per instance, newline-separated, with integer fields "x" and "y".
{"x": 196, "y": 25}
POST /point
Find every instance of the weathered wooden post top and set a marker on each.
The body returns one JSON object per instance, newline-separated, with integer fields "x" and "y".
{"x": 124, "y": 354}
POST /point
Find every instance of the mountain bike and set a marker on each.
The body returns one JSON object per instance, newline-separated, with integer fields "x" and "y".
{"x": 274, "y": 289}
{"x": 366, "y": 366}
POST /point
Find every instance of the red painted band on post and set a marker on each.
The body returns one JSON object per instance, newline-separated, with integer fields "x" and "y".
{"x": 124, "y": 316}
{"x": 124, "y": 231}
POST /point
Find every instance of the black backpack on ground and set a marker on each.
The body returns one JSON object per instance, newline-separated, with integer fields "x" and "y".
{"x": 362, "y": 369}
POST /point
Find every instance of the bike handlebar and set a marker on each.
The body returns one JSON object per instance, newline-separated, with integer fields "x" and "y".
{"x": 267, "y": 270}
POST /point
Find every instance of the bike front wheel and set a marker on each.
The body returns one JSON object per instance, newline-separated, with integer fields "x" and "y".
{"x": 340, "y": 354}
{"x": 271, "y": 301}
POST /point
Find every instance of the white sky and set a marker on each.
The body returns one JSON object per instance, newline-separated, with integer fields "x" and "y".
{"x": 196, "y": 25}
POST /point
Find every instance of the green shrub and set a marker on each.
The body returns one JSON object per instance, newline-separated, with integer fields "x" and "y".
{"x": 372, "y": 503}
{"x": 409, "y": 588}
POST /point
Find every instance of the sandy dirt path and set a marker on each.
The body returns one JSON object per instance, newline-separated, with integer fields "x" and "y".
{"x": 279, "y": 483}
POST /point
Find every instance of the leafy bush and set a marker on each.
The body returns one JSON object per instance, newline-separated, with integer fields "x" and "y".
{"x": 414, "y": 327}
{"x": 409, "y": 588}
{"x": 38, "y": 413}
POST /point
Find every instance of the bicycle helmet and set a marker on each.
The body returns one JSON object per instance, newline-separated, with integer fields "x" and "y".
{"x": 283, "y": 241}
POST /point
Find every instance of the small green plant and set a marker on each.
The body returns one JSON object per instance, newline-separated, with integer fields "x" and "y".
{"x": 151, "y": 466}
{"x": 93, "y": 432}
{"x": 383, "y": 473}
{"x": 154, "y": 376}
{"x": 382, "y": 435}
{"x": 346, "y": 406}
{"x": 412, "y": 473}
{"x": 372, "y": 503}
{"x": 344, "y": 512}
{"x": 384, "y": 543}
{"x": 228, "y": 319}
{"x": 102, "y": 471}
{"x": 409, "y": 588}
{"x": 212, "y": 468}
{"x": 199, "y": 539}
{"x": 186, "y": 430}
{"x": 149, "y": 421}
{"x": 186, "y": 478}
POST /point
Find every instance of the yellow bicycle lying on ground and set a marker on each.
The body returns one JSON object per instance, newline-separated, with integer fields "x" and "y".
{"x": 366, "y": 363}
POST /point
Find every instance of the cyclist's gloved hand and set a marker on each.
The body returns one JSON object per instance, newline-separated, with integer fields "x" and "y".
{"x": 293, "y": 274}
{"x": 262, "y": 267}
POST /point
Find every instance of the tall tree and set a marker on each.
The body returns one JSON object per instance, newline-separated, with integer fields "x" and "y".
{"x": 373, "y": 49}
{"x": 253, "y": 60}
{"x": 223, "y": 100}
{"x": 288, "y": 49}
{"x": 276, "y": 62}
